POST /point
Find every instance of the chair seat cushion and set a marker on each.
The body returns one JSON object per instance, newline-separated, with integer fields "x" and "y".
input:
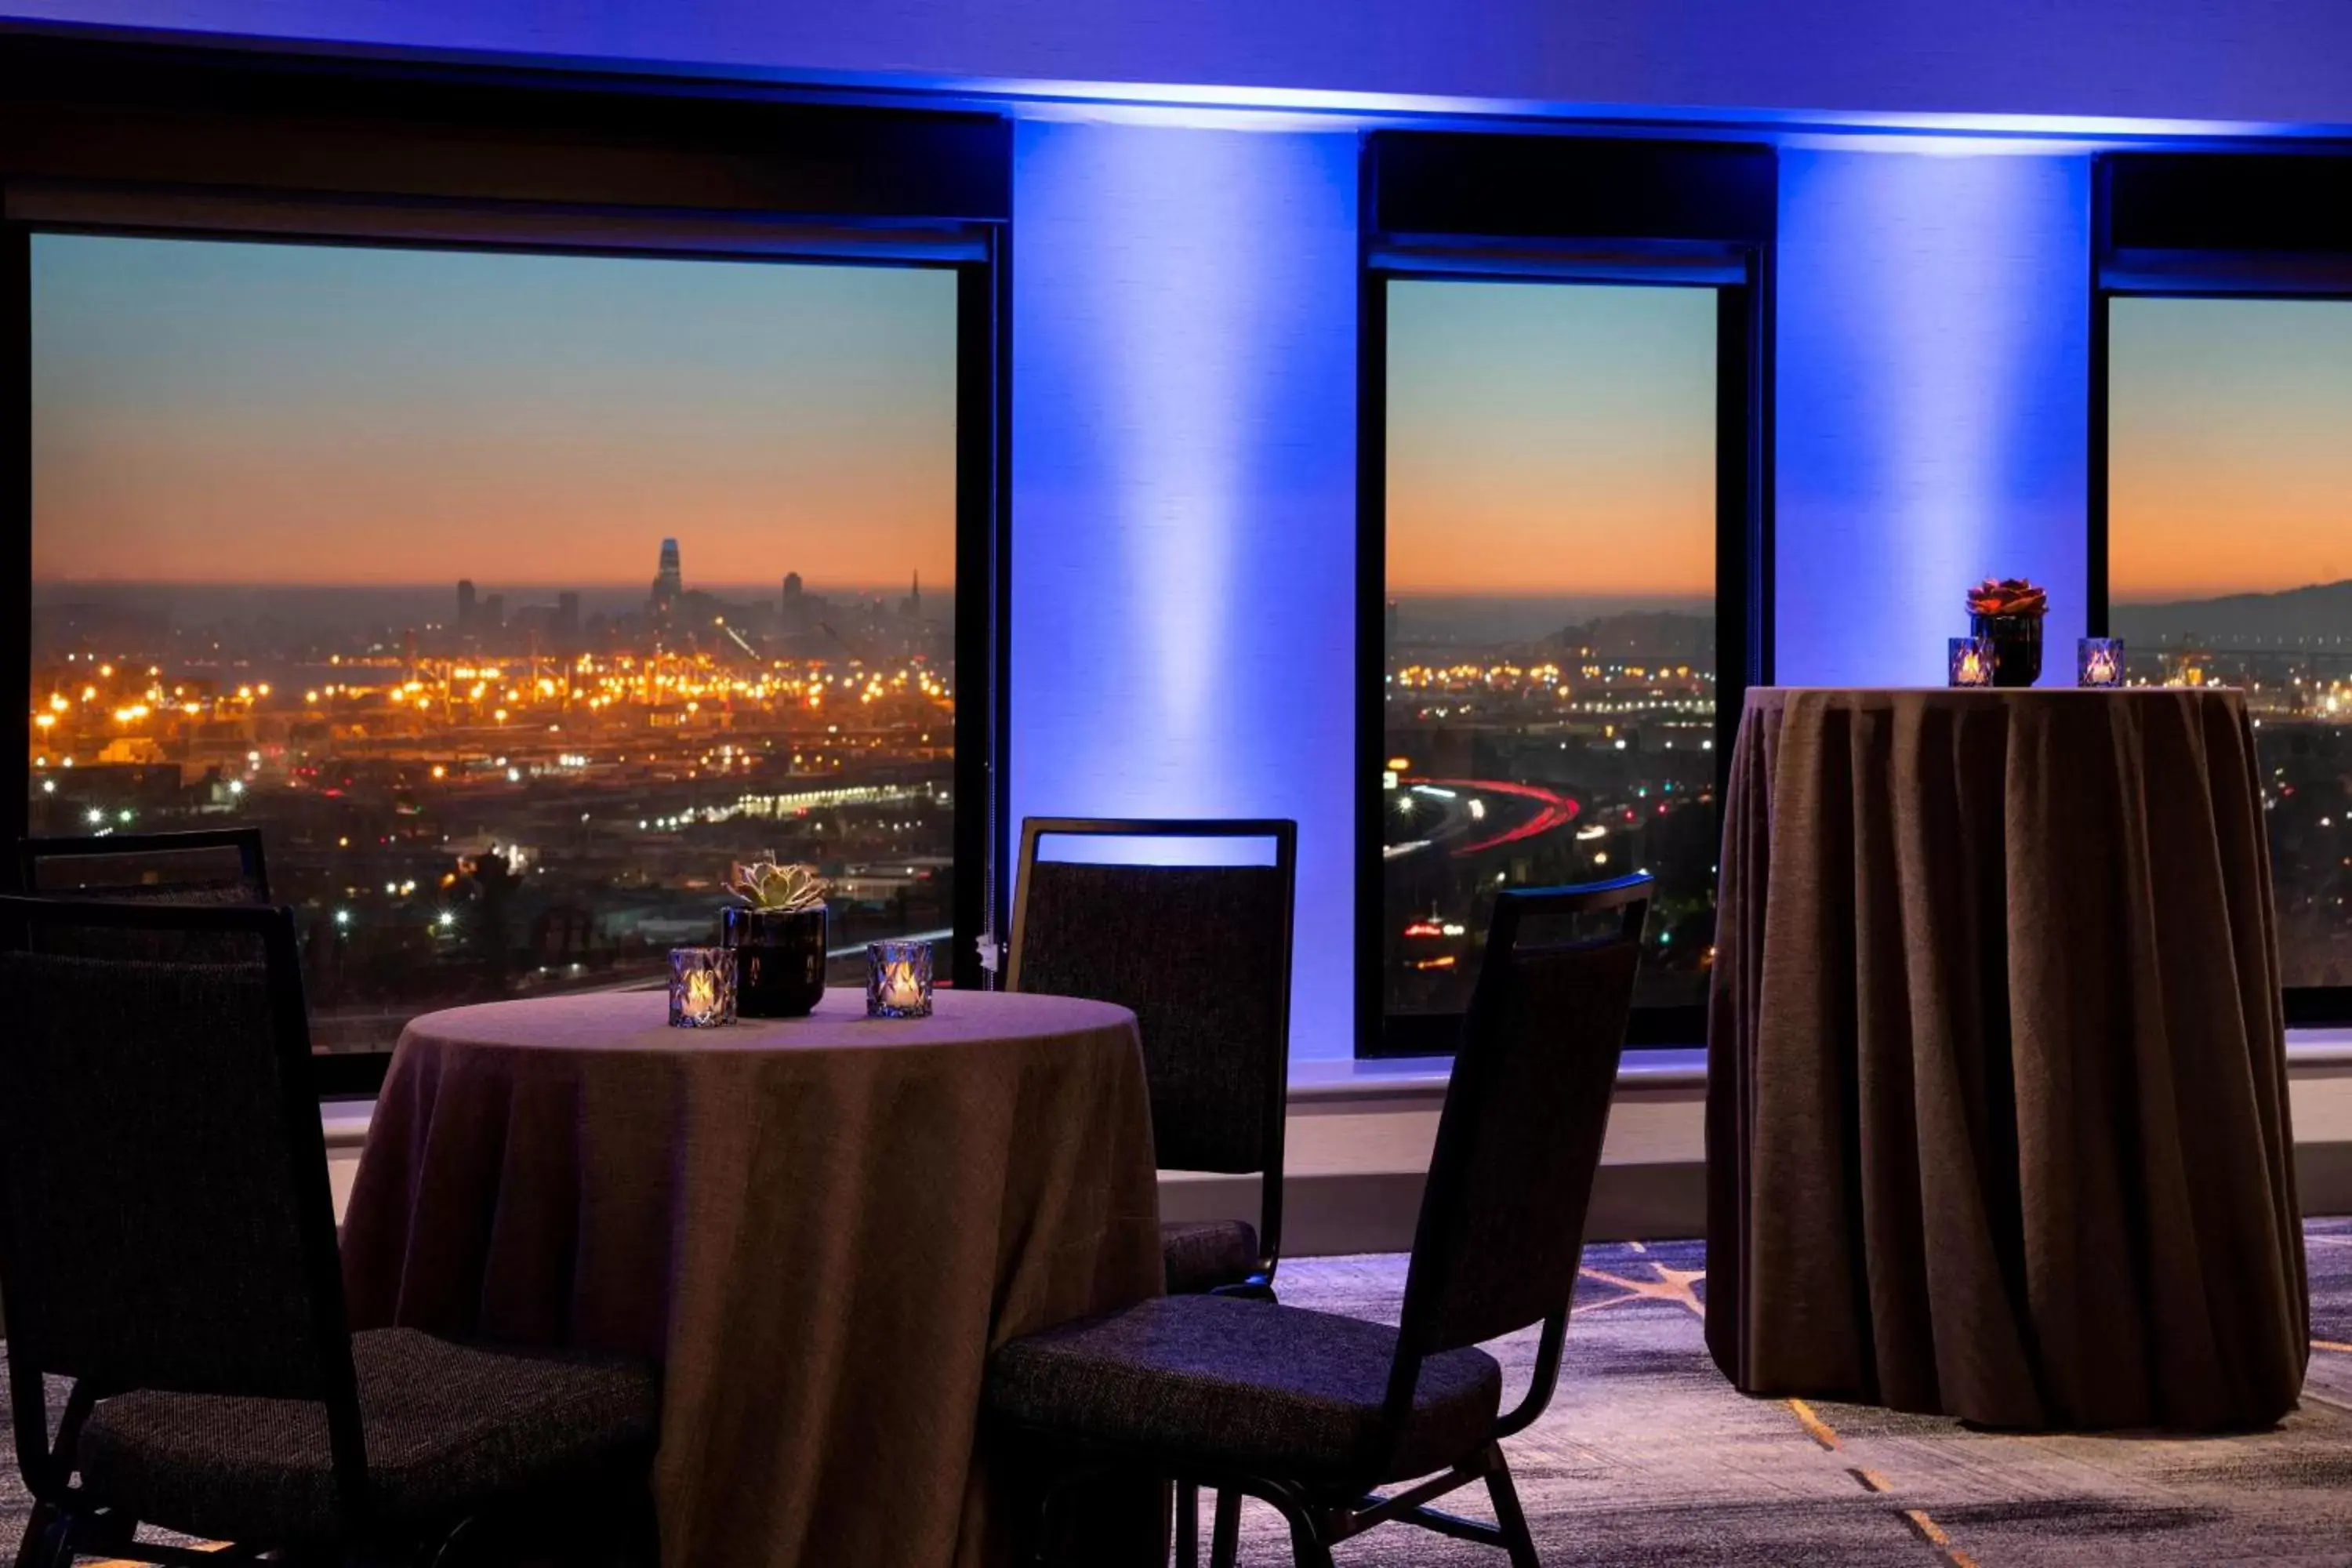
{"x": 449, "y": 1428}
{"x": 1202, "y": 1255}
{"x": 1245, "y": 1385}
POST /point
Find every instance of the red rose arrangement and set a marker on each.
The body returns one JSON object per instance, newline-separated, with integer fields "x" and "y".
{"x": 2008, "y": 596}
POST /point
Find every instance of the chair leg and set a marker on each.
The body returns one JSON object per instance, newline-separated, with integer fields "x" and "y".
{"x": 1225, "y": 1542}
{"x": 459, "y": 1547}
{"x": 1508, "y": 1516}
{"x": 1307, "y": 1547}
{"x": 43, "y": 1542}
{"x": 1188, "y": 1525}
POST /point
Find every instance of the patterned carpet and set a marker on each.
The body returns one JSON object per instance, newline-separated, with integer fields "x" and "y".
{"x": 1647, "y": 1457}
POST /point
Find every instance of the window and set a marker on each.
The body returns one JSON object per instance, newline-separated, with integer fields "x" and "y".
{"x": 513, "y": 596}
{"x": 2229, "y": 562}
{"x": 1564, "y": 486}
{"x": 1550, "y": 705}
{"x": 2221, "y": 542}
{"x": 521, "y": 494}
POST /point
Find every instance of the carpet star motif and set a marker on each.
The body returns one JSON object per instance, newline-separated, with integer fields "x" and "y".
{"x": 1671, "y": 1285}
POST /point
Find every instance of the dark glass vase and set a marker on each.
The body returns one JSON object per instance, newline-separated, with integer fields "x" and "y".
{"x": 779, "y": 960}
{"x": 2016, "y": 646}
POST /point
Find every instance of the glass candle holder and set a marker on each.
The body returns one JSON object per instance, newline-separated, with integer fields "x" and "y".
{"x": 1970, "y": 662}
{"x": 2099, "y": 661}
{"x": 701, "y": 987}
{"x": 898, "y": 979}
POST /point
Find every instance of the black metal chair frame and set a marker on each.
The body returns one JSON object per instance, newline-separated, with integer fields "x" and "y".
{"x": 1316, "y": 1522}
{"x": 1284, "y": 834}
{"x": 246, "y": 841}
{"x": 64, "y": 1520}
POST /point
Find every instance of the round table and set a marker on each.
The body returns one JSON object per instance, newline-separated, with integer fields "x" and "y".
{"x": 1997, "y": 1101}
{"x": 818, "y": 1228}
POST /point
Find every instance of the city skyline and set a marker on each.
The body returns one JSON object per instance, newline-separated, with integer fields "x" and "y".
{"x": 239, "y": 415}
{"x": 2230, "y": 447}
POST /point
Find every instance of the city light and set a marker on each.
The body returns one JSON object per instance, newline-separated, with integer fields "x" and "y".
{"x": 403, "y": 772}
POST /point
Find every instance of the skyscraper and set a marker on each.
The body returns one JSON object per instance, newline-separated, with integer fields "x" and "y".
{"x": 794, "y": 620}
{"x": 668, "y": 585}
{"x": 494, "y": 614}
{"x": 465, "y": 607}
{"x": 567, "y": 618}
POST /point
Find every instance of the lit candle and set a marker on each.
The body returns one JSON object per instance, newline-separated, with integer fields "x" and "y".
{"x": 1971, "y": 661}
{"x": 2099, "y": 661}
{"x": 701, "y": 987}
{"x": 898, "y": 979}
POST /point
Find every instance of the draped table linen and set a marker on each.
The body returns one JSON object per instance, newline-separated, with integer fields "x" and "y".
{"x": 819, "y": 1228}
{"x": 1997, "y": 1115}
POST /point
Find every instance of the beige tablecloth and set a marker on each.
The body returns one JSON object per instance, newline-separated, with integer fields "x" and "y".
{"x": 818, "y": 1228}
{"x": 1997, "y": 1109}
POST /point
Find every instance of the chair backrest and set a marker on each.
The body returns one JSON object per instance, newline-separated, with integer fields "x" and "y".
{"x": 211, "y": 865}
{"x": 165, "y": 1221}
{"x": 1200, "y": 954}
{"x": 1502, "y": 1218}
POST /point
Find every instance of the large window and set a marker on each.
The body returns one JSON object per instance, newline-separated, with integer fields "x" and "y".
{"x": 1550, "y": 659}
{"x": 514, "y": 596}
{"x": 2229, "y": 546}
{"x": 1564, "y": 493}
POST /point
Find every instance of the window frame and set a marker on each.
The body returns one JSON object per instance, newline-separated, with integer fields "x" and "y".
{"x": 1490, "y": 209}
{"x": 971, "y": 243}
{"x": 2263, "y": 224}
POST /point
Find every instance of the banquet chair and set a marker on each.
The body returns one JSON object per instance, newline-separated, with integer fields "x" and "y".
{"x": 1200, "y": 955}
{"x": 1312, "y": 1412}
{"x": 167, "y": 1249}
{"x": 211, "y": 865}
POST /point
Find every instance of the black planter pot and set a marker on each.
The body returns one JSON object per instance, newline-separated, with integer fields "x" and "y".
{"x": 779, "y": 960}
{"x": 2016, "y": 646}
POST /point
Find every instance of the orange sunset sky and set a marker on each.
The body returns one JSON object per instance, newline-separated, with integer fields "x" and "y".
{"x": 1551, "y": 440}
{"x": 2230, "y": 446}
{"x": 259, "y": 414}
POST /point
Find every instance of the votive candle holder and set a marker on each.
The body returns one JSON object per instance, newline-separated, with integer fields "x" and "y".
{"x": 701, "y": 987}
{"x": 2099, "y": 661}
{"x": 1970, "y": 662}
{"x": 898, "y": 979}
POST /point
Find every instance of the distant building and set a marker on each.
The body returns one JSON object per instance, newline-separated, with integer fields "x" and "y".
{"x": 494, "y": 613}
{"x": 669, "y": 583}
{"x": 801, "y": 612}
{"x": 465, "y": 607}
{"x": 538, "y": 624}
{"x": 911, "y": 606}
{"x": 567, "y": 617}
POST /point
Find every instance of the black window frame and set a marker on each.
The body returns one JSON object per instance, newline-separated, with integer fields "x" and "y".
{"x": 429, "y": 156}
{"x": 2268, "y": 224}
{"x": 1564, "y": 209}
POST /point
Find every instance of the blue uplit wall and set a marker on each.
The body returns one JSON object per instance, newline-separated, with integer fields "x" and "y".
{"x": 1933, "y": 401}
{"x": 1183, "y": 478}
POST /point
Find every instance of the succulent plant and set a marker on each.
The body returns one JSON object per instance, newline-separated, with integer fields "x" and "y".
{"x": 762, "y": 884}
{"x": 2007, "y": 596}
